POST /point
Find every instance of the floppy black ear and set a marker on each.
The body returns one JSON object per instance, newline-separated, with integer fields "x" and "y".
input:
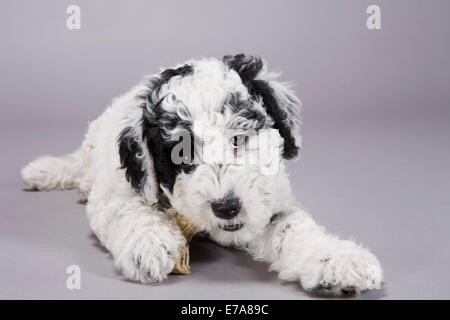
{"x": 279, "y": 101}
{"x": 142, "y": 149}
{"x": 131, "y": 158}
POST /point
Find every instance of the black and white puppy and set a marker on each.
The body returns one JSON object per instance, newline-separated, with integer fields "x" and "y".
{"x": 131, "y": 169}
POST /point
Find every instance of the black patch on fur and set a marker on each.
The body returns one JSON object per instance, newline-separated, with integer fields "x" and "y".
{"x": 248, "y": 68}
{"x": 154, "y": 121}
{"x": 262, "y": 88}
{"x": 168, "y": 74}
{"x": 244, "y": 108}
{"x": 275, "y": 217}
{"x": 129, "y": 149}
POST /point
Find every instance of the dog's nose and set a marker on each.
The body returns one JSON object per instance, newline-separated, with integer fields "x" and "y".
{"x": 226, "y": 208}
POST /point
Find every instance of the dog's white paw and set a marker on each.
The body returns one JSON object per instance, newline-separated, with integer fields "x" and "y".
{"x": 346, "y": 270}
{"x": 151, "y": 258}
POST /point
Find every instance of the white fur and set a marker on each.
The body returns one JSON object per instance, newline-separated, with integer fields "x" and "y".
{"x": 145, "y": 241}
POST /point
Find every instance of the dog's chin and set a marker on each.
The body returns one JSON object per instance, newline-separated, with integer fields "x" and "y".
{"x": 232, "y": 227}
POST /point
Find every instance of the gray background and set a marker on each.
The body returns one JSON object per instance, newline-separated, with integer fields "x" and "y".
{"x": 375, "y": 162}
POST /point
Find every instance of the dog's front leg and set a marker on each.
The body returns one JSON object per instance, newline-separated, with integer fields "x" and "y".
{"x": 300, "y": 250}
{"x": 143, "y": 241}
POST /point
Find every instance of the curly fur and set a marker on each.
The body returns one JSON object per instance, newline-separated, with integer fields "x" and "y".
{"x": 125, "y": 170}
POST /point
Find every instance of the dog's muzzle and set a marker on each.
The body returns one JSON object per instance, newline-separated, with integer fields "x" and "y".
{"x": 228, "y": 208}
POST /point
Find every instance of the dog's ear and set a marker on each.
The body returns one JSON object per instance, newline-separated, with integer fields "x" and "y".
{"x": 132, "y": 158}
{"x": 278, "y": 99}
{"x": 150, "y": 139}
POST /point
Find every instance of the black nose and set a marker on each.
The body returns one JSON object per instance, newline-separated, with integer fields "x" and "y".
{"x": 226, "y": 208}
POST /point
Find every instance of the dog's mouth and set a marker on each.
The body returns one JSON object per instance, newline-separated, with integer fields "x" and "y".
{"x": 232, "y": 227}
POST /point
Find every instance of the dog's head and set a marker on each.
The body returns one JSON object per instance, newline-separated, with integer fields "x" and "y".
{"x": 210, "y": 139}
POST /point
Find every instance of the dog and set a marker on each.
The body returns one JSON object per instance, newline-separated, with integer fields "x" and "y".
{"x": 127, "y": 173}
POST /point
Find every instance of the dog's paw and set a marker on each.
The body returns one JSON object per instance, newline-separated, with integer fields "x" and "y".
{"x": 347, "y": 270}
{"x": 151, "y": 258}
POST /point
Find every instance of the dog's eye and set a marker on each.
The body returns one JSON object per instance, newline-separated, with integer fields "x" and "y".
{"x": 238, "y": 141}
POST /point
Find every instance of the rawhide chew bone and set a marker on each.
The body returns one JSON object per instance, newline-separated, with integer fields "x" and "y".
{"x": 188, "y": 230}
